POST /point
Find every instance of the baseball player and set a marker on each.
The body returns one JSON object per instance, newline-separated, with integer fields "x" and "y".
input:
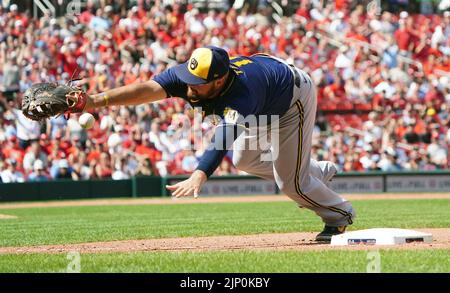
{"x": 234, "y": 89}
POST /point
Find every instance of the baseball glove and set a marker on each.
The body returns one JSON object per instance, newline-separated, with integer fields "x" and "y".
{"x": 44, "y": 100}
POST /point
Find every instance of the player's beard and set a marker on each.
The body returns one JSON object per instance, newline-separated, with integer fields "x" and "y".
{"x": 210, "y": 94}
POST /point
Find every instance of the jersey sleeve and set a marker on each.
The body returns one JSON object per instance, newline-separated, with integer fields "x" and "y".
{"x": 224, "y": 136}
{"x": 235, "y": 119}
{"x": 173, "y": 86}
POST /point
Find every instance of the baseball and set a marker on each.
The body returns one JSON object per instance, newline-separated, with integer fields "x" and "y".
{"x": 86, "y": 120}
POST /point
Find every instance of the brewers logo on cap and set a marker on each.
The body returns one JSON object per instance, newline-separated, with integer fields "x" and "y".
{"x": 193, "y": 64}
{"x": 205, "y": 65}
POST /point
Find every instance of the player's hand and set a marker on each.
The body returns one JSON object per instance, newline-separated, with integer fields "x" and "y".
{"x": 190, "y": 186}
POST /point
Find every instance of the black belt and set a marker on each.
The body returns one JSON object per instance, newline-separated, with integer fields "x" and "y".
{"x": 297, "y": 79}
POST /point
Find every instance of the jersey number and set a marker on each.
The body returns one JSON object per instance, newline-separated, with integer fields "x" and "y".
{"x": 240, "y": 63}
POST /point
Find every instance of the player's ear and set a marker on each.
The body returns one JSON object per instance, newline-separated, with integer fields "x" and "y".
{"x": 221, "y": 81}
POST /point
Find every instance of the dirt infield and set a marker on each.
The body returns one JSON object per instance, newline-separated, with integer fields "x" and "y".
{"x": 6, "y": 217}
{"x": 218, "y": 199}
{"x": 285, "y": 241}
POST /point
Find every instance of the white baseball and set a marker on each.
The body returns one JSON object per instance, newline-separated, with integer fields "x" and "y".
{"x": 86, "y": 120}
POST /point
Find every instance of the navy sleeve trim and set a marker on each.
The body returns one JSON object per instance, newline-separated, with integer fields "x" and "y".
{"x": 210, "y": 160}
{"x": 222, "y": 141}
{"x": 165, "y": 89}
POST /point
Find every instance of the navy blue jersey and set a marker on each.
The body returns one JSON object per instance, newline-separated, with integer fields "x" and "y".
{"x": 257, "y": 85}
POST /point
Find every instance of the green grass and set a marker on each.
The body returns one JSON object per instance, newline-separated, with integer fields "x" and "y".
{"x": 59, "y": 225}
{"x": 234, "y": 262}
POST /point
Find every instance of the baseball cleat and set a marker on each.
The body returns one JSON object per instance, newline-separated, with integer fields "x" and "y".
{"x": 328, "y": 232}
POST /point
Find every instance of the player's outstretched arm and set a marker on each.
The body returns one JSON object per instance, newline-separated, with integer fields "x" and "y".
{"x": 132, "y": 94}
{"x": 45, "y": 100}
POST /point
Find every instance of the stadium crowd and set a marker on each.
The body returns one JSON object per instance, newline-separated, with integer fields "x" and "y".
{"x": 383, "y": 85}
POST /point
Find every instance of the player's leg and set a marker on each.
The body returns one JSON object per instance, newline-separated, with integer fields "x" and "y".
{"x": 291, "y": 172}
{"x": 323, "y": 170}
{"x": 250, "y": 160}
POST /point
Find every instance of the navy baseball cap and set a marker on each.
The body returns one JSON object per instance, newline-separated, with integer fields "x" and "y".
{"x": 205, "y": 65}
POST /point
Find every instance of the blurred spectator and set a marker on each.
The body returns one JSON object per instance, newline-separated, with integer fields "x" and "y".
{"x": 11, "y": 173}
{"x": 81, "y": 167}
{"x": 34, "y": 153}
{"x": 120, "y": 171}
{"x": 26, "y": 130}
{"x": 382, "y": 83}
{"x": 64, "y": 171}
{"x": 103, "y": 168}
{"x": 145, "y": 168}
{"x": 225, "y": 168}
{"x": 56, "y": 127}
{"x": 11, "y": 77}
{"x": 189, "y": 162}
{"x": 38, "y": 173}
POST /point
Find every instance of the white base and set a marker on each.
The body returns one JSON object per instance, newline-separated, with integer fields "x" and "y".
{"x": 381, "y": 236}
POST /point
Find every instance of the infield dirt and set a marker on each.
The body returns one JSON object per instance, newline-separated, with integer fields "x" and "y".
{"x": 6, "y": 217}
{"x": 282, "y": 241}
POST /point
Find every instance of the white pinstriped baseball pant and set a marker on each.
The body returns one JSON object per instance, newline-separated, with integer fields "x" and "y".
{"x": 296, "y": 174}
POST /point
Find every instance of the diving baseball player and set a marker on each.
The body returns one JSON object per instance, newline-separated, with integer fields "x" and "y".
{"x": 235, "y": 89}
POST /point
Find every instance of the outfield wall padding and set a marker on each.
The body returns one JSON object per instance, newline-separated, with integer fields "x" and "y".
{"x": 84, "y": 189}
